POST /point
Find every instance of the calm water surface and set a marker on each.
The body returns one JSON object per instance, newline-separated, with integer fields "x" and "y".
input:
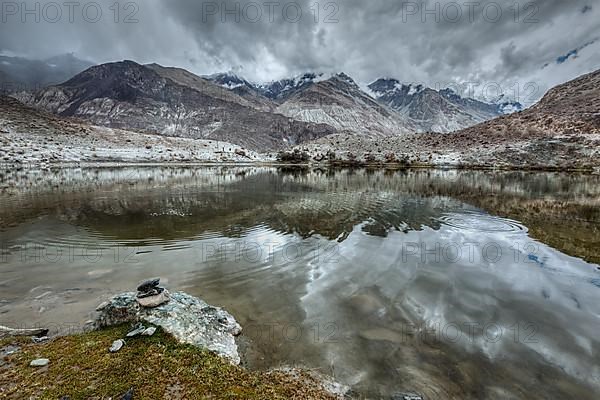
{"x": 449, "y": 284}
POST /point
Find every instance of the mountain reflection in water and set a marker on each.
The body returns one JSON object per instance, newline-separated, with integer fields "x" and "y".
{"x": 450, "y": 284}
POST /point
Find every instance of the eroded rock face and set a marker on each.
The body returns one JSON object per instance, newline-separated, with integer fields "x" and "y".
{"x": 187, "y": 318}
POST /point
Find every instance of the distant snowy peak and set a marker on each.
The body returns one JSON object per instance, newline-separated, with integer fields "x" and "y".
{"x": 507, "y": 105}
{"x": 344, "y": 78}
{"x": 398, "y": 107}
{"x": 228, "y": 80}
{"x": 432, "y": 110}
{"x": 284, "y": 88}
{"x": 391, "y": 86}
{"x": 280, "y": 89}
{"x": 288, "y": 86}
{"x": 510, "y": 107}
{"x": 393, "y": 92}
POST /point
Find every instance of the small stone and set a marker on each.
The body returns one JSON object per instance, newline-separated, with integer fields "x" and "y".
{"x": 117, "y": 345}
{"x": 102, "y": 306}
{"x": 148, "y": 285}
{"x": 40, "y": 339}
{"x": 149, "y": 332}
{"x": 40, "y": 362}
{"x": 407, "y": 396}
{"x": 153, "y": 301}
{"x": 9, "y": 350}
{"x": 128, "y": 395}
{"x": 137, "y": 330}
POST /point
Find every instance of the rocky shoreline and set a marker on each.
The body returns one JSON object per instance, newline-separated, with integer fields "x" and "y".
{"x": 133, "y": 320}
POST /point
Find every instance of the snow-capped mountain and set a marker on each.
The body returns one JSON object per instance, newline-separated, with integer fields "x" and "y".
{"x": 284, "y": 88}
{"x": 339, "y": 102}
{"x": 227, "y": 107}
{"x": 402, "y": 107}
{"x": 332, "y": 99}
{"x": 242, "y": 88}
{"x": 228, "y": 80}
{"x": 506, "y": 105}
{"x": 274, "y": 90}
{"x": 430, "y": 110}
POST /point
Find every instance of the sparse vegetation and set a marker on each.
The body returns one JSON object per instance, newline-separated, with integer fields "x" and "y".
{"x": 156, "y": 367}
{"x": 293, "y": 157}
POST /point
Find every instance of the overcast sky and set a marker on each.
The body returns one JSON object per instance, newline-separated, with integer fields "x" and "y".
{"x": 438, "y": 43}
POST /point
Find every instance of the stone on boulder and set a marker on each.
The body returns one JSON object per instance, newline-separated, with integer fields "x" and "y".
{"x": 153, "y": 300}
{"x": 148, "y": 285}
{"x": 189, "y": 319}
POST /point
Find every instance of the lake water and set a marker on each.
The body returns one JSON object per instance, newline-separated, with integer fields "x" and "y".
{"x": 466, "y": 285}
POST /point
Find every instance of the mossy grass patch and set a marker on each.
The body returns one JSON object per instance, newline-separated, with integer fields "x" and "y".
{"x": 156, "y": 367}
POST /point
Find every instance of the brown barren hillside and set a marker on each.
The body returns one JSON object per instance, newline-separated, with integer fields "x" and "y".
{"x": 561, "y": 132}
{"x": 570, "y": 108}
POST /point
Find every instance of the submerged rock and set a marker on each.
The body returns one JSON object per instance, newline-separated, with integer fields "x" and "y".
{"x": 40, "y": 362}
{"x": 187, "y": 318}
{"x": 407, "y": 396}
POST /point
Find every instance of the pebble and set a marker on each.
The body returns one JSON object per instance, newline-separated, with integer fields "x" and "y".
{"x": 128, "y": 395}
{"x": 117, "y": 345}
{"x": 139, "y": 329}
{"x": 8, "y": 350}
{"x": 40, "y": 362}
{"x": 149, "y": 332}
{"x": 40, "y": 339}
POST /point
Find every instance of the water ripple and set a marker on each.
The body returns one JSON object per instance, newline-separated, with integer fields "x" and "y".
{"x": 480, "y": 222}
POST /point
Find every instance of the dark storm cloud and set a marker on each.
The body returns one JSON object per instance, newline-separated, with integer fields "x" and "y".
{"x": 433, "y": 42}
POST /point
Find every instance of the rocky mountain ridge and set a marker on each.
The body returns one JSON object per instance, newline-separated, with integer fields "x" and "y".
{"x": 431, "y": 110}
{"x": 339, "y": 102}
{"x": 403, "y": 108}
{"x": 170, "y": 102}
{"x": 561, "y": 132}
